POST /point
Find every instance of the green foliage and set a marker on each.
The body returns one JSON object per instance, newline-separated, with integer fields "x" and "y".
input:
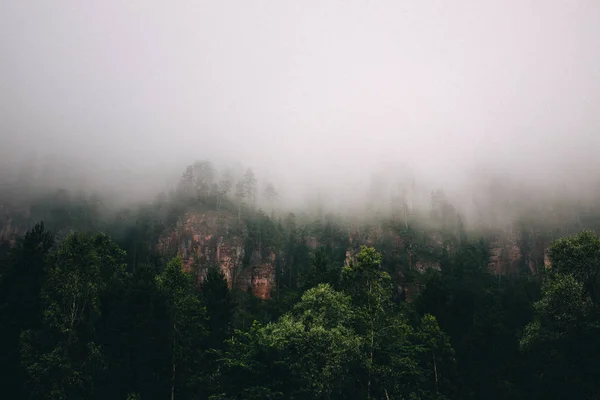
{"x": 562, "y": 339}
{"x": 437, "y": 355}
{"x": 366, "y": 282}
{"x": 135, "y": 338}
{"x": 215, "y": 296}
{"x": 482, "y": 317}
{"x": 77, "y": 325}
{"x": 398, "y": 359}
{"x": 306, "y": 354}
{"x": 186, "y": 324}
{"x": 217, "y": 299}
{"x": 562, "y": 309}
{"x": 62, "y": 358}
{"x": 320, "y": 271}
{"x": 21, "y": 278}
{"x": 579, "y": 255}
{"x": 325, "y": 307}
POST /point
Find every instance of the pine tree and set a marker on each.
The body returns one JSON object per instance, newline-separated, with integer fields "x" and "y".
{"x": 187, "y": 323}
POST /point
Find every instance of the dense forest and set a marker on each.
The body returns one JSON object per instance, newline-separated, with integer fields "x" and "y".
{"x": 214, "y": 290}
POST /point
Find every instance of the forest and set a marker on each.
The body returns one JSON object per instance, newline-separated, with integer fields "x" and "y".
{"x": 256, "y": 302}
{"x": 298, "y": 200}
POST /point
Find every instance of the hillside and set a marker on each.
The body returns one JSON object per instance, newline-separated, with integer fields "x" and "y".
{"x": 201, "y": 279}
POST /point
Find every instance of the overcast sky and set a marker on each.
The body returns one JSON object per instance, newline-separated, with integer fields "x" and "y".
{"x": 328, "y": 87}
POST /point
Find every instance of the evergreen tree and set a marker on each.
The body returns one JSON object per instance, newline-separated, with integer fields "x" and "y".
{"x": 186, "y": 326}
{"x": 219, "y": 305}
{"x": 21, "y": 279}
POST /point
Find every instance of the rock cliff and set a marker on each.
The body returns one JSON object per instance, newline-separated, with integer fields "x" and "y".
{"x": 217, "y": 238}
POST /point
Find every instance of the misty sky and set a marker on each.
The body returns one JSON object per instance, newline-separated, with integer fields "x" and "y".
{"x": 328, "y": 87}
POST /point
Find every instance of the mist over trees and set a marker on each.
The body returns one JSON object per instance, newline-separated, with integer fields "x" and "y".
{"x": 396, "y": 296}
{"x": 494, "y": 202}
{"x": 299, "y": 200}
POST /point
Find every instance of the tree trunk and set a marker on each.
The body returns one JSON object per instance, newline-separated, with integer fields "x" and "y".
{"x": 134, "y": 257}
{"x": 173, "y": 383}
{"x": 372, "y": 344}
{"x": 371, "y": 363}
{"x": 173, "y": 373}
{"x": 435, "y": 371}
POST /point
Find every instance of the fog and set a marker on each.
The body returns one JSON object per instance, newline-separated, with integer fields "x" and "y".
{"x": 315, "y": 95}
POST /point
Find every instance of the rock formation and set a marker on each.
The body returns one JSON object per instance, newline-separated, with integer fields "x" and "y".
{"x": 217, "y": 238}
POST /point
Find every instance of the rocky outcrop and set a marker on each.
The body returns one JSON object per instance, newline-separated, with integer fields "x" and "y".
{"x": 262, "y": 275}
{"x": 217, "y": 238}
{"x": 514, "y": 253}
{"x": 207, "y": 238}
{"x": 547, "y": 262}
{"x": 505, "y": 255}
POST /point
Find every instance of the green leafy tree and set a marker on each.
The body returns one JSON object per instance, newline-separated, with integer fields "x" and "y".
{"x": 563, "y": 340}
{"x": 399, "y": 360}
{"x": 437, "y": 355}
{"x": 63, "y": 358}
{"x": 307, "y": 354}
{"x": 483, "y": 319}
{"x": 563, "y": 309}
{"x": 579, "y": 255}
{"x": 371, "y": 291}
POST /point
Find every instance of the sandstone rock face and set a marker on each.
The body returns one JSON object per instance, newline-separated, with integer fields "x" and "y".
{"x": 263, "y": 276}
{"x": 505, "y": 256}
{"x": 509, "y": 252}
{"x": 547, "y": 263}
{"x": 216, "y": 238}
{"x": 349, "y": 258}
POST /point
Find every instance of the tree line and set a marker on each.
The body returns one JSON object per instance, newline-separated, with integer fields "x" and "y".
{"x": 78, "y": 322}
{"x": 89, "y": 309}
